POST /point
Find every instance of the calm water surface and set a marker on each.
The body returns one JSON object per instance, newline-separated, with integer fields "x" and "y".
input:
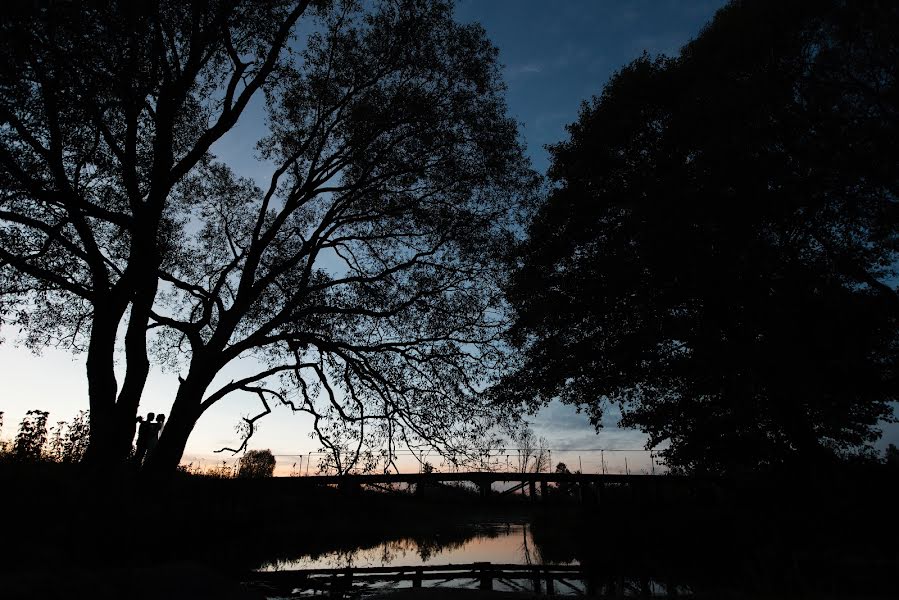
{"x": 503, "y": 543}
{"x": 497, "y": 543}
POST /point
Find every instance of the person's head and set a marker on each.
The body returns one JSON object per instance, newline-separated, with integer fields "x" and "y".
{"x": 140, "y": 419}
{"x": 150, "y": 416}
{"x": 160, "y": 418}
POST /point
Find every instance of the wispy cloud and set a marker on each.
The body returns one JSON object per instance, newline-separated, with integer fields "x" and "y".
{"x": 524, "y": 69}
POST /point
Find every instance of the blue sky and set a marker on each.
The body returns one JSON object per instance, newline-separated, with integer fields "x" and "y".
{"x": 555, "y": 55}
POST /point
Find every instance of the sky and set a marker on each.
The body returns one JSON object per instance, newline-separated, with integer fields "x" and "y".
{"x": 556, "y": 55}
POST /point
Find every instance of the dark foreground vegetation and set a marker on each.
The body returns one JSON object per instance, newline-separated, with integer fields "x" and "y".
{"x": 806, "y": 535}
{"x": 828, "y": 533}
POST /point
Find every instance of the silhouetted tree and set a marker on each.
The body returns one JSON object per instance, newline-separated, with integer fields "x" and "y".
{"x": 533, "y": 455}
{"x": 256, "y": 464}
{"x": 76, "y": 438}
{"x": 716, "y": 253}
{"x": 891, "y": 456}
{"x": 55, "y": 442}
{"x": 4, "y": 445}
{"x": 105, "y": 109}
{"x": 362, "y": 280}
{"x": 31, "y": 437}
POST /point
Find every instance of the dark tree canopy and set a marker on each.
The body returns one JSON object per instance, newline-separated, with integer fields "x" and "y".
{"x": 718, "y": 252}
{"x": 362, "y": 280}
{"x": 104, "y": 109}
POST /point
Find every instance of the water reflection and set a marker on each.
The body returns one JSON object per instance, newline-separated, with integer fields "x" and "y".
{"x": 498, "y": 543}
{"x": 392, "y": 566}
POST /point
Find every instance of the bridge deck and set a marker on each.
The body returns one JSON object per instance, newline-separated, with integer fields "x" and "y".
{"x": 482, "y": 477}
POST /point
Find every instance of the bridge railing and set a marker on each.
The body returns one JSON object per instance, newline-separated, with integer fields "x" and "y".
{"x": 511, "y": 460}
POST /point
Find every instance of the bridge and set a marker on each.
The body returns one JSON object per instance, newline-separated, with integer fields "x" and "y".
{"x": 589, "y": 486}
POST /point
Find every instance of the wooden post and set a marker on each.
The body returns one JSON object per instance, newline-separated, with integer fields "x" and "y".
{"x": 347, "y": 580}
{"x": 544, "y": 488}
{"x": 416, "y": 580}
{"x": 535, "y": 579}
{"x": 486, "y": 577}
{"x": 533, "y": 490}
{"x": 550, "y": 590}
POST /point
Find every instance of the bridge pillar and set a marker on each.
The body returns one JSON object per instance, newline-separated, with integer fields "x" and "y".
{"x": 484, "y": 487}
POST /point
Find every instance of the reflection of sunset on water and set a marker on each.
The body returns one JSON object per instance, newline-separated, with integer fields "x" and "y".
{"x": 496, "y": 543}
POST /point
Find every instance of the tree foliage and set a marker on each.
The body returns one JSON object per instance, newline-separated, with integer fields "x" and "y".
{"x": 36, "y": 441}
{"x": 362, "y": 279}
{"x": 104, "y": 109}
{"x": 256, "y": 464}
{"x": 31, "y": 438}
{"x": 718, "y": 250}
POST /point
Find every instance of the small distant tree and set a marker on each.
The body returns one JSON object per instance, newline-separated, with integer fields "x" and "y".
{"x": 31, "y": 437}
{"x": 562, "y": 468}
{"x": 76, "y": 438}
{"x": 533, "y": 455}
{"x": 256, "y": 464}
{"x": 55, "y": 445}
{"x": 3, "y": 444}
{"x": 892, "y": 456}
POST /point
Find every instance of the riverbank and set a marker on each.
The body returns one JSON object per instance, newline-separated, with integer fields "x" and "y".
{"x": 815, "y": 536}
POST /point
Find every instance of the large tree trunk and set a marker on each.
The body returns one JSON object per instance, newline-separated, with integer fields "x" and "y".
{"x": 187, "y": 408}
{"x": 137, "y": 370}
{"x": 102, "y": 388}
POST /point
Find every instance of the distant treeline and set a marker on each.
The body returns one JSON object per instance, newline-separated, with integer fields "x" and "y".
{"x": 67, "y": 441}
{"x": 36, "y": 440}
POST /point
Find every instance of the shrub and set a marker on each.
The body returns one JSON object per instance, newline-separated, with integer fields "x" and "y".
{"x": 32, "y": 436}
{"x": 256, "y": 464}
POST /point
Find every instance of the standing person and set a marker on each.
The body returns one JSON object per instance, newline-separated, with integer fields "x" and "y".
{"x": 154, "y": 429}
{"x": 144, "y": 432}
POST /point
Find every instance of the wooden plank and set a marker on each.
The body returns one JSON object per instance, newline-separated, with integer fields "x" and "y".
{"x": 410, "y": 569}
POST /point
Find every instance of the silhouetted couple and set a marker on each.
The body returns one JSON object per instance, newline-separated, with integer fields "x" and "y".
{"x": 147, "y": 436}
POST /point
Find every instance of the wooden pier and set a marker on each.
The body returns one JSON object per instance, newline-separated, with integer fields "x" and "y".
{"x": 547, "y": 580}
